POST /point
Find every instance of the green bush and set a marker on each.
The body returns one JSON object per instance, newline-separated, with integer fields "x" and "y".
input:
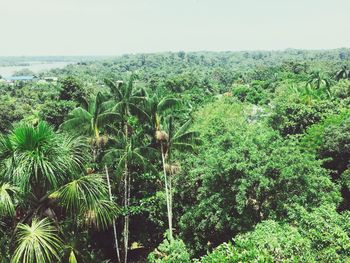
{"x": 269, "y": 242}
{"x": 244, "y": 173}
{"x": 327, "y": 230}
{"x": 321, "y": 235}
{"x": 254, "y": 94}
{"x": 170, "y": 252}
{"x": 292, "y": 117}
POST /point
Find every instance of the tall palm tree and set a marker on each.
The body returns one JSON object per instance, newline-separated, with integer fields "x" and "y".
{"x": 127, "y": 150}
{"x": 343, "y": 73}
{"x": 89, "y": 122}
{"x": 128, "y": 100}
{"x": 170, "y": 139}
{"x": 46, "y": 169}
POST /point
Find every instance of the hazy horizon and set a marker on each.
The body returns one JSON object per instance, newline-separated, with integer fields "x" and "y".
{"x": 117, "y": 27}
{"x": 173, "y": 51}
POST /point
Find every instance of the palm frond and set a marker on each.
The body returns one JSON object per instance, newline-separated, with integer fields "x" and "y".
{"x": 184, "y": 128}
{"x": 138, "y": 111}
{"x": 102, "y": 214}
{"x": 183, "y": 146}
{"x": 7, "y": 192}
{"x": 83, "y": 193}
{"x": 186, "y": 137}
{"x": 79, "y": 120}
{"x": 167, "y": 103}
{"x": 37, "y": 242}
{"x": 112, "y": 155}
{"x": 115, "y": 88}
{"x": 107, "y": 117}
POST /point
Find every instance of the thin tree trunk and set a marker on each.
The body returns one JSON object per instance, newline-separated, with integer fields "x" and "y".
{"x": 126, "y": 197}
{"x": 171, "y": 204}
{"x": 96, "y": 146}
{"x": 114, "y": 221}
{"x": 167, "y": 195}
{"x": 128, "y": 205}
{"x": 126, "y": 217}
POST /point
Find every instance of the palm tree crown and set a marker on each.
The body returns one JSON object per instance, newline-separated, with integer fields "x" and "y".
{"x": 89, "y": 121}
{"x": 41, "y": 177}
{"x": 343, "y": 73}
{"x": 318, "y": 80}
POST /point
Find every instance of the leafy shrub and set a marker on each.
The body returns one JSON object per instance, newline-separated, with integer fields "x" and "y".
{"x": 269, "y": 242}
{"x": 254, "y": 94}
{"x": 327, "y": 230}
{"x": 342, "y": 90}
{"x": 330, "y": 140}
{"x": 292, "y": 117}
{"x": 54, "y": 112}
{"x": 321, "y": 235}
{"x": 72, "y": 89}
{"x": 170, "y": 252}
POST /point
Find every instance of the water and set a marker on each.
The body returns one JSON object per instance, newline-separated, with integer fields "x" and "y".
{"x": 36, "y": 67}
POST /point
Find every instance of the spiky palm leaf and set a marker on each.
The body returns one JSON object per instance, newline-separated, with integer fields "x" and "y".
{"x": 7, "y": 192}
{"x": 89, "y": 121}
{"x": 37, "y": 242}
{"x": 102, "y": 214}
{"x": 87, "y": 196}
{"x": 128, "y": 98}
{"x": 39, "y": 159}
{"x": 343, "y": 73}
{"x": 183, "y": 139}
{"x": 318, "y": 79}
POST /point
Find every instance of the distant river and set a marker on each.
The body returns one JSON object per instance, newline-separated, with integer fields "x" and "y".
{"x": 36, "y": 67}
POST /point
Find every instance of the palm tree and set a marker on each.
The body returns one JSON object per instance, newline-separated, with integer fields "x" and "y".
{"x": 126, "y": 150}
{"x": 46, "y": 169}
{"x": 36, "y": 159}
{"x": 343, "y": 73}
{"x": 157, "y": 107}
{"x": 171, "y": 139}
{"x": 114, "y": 220}
{"x": 128, "y": 100}
{"x": 318, "y": 80}
{"x": 306, "y": 94}
{"x": 91, "y": 120}
{"x": 38, "y": 242}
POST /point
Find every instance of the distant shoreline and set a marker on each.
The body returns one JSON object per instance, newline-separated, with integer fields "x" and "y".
{"x": 34, "y": 66}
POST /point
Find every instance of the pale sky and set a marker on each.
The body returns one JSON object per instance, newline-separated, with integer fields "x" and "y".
{"x": 114, "y": 27}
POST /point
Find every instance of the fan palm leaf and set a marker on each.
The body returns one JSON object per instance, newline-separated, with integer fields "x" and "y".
{"x": 37, "y": 242}
{"x": 88, "y": 196}
{"x": 7, "y": 193}
{"x": 38, "y": 157}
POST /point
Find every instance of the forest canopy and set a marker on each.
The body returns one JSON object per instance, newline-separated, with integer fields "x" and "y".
{"x": 178, "y": 157}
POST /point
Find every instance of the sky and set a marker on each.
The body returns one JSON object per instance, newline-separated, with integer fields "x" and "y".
{"x": 115, "y": 27}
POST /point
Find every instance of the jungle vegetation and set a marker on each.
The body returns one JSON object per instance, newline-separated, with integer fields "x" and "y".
{"x": 179, "y": 157}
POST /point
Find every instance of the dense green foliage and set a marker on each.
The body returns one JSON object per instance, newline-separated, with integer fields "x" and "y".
{"x": 236, "y": 156}
{"x": 321, "y": 235}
